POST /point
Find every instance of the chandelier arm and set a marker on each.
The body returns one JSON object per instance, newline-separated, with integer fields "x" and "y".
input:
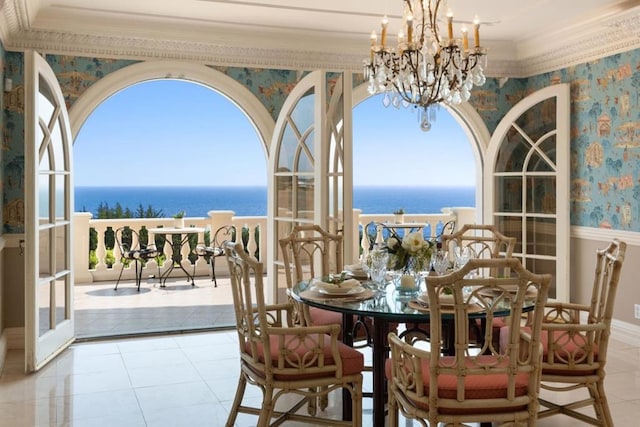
{"x": 425, "y": 70}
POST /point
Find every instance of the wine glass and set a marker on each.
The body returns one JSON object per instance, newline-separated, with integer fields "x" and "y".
{"x": 462, "y": 256}
{"x": 378, "y": 268}
{"x": 441, "y": 262}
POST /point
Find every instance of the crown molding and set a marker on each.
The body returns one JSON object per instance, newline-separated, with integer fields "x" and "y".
{"x": 530, "y": 57}
{"x": 590, "y": 42}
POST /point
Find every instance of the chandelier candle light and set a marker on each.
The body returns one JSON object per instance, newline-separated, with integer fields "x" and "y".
{"x": 425, "y": 69}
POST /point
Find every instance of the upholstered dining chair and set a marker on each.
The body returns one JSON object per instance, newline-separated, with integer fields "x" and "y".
{"x": 281, "y": 358}
{"x": 132, "y": 250}
{"x": 226, "y": 233}
{"x": 473, "y": 385}
{"x": 575, "y": 339}
{"x": 310, "y": 251}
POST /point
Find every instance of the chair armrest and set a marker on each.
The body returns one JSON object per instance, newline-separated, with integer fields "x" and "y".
{"x": 574, "y": 327}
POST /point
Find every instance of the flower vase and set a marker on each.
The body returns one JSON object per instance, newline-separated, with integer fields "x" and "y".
{"x": 399, "y": 218}
{"x": 408, "y": 281}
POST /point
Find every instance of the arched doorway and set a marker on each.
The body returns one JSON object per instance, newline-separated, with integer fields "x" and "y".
{"x": 202, "y": 78}
{"x": 470, "y": 131}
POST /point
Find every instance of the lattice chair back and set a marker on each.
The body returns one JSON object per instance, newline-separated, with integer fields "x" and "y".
{"x": 307, "y": 252}
{"x": 280, "y": 358}
{"x": 483, "y": 241}
{"x": 472, "y": 385}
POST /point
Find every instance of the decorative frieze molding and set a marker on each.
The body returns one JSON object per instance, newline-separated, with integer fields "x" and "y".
{"x": 550, "y": 52}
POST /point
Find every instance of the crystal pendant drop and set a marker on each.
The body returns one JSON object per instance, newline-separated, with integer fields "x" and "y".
{"x": 425, "y": 124}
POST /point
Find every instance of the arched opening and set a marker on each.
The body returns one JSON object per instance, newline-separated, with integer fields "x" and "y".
{"x": 396, "y": 165}
{"x": 161, "y": 154}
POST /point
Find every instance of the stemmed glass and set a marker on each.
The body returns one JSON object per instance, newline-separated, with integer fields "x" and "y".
{"x": 462, "y": 256}
{"x": 441, "y": 262}
{"x": 378, "y": 266}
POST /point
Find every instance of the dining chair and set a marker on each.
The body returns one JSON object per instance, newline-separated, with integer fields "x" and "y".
{"x": 575, "y": 339}
{"x": 472, "y": 385}
{"x": 215, "y": 249}
{"x": 281, "y": 358}
{"x": 310, "y": 251}
{"x": 133, "y": 250}
{"x": 483, "y": 240}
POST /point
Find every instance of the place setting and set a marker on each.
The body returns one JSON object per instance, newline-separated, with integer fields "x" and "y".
{"x": 341, "y": 287}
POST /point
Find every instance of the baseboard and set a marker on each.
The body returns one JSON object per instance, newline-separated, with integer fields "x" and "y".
{"x": 3, "y": 351}
{"x": 625, "y": 332}
{"x": 14, "y": 338}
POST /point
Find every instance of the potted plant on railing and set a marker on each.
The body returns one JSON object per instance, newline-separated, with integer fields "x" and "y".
{"x": 178, "y": 220}
{"x": 399, "y": 216}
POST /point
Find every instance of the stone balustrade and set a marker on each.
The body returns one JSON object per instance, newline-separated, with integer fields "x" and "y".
{"x": 250, "y": 229}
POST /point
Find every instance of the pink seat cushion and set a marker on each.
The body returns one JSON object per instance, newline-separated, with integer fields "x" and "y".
{"x": 492, "y": 386}
{"x": 321, "y": 317}
{"x": 352, "y": 360}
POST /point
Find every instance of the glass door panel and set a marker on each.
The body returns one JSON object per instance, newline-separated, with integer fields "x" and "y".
{"x": 49, "y": 324}
{"x": 528, "y": 157}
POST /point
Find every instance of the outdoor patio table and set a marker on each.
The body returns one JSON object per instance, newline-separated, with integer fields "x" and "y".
{"x": 176, "y": 248}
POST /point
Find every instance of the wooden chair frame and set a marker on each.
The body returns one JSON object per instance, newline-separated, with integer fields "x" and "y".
{"x": 576, "y": 339}
{"x": 480, "y": 386}
{"x": 281, "y": 358}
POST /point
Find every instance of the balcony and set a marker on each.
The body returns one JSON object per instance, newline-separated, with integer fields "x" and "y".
{"x": 101, "y": 311}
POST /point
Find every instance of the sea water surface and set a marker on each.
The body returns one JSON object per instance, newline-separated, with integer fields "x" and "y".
{"x": 252, "y": 201}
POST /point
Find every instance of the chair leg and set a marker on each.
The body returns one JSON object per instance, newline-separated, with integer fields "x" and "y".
{"x": 601, "y": 405}
{"x": 119, "y": 276}
{"x": 237, "y": 400}
{"x": 267, "y": 407}
{"x": 138, "y": 274}
{"x": 213, "y": 271}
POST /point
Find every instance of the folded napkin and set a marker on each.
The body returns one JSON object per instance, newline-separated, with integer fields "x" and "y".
{"x": 348, "y": 283}
{"x": 353, "y": 267}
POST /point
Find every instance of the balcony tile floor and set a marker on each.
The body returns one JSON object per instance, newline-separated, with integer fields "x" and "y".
{"x": 188, "y": 379}
{"x": 100, "y": 311}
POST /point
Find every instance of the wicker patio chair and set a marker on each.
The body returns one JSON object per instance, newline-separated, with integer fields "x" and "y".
{"x": 575, "y": 340}
{"x": 472, "y": 386}
{"x": 280, "y": 358}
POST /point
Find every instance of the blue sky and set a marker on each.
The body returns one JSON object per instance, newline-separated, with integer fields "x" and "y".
{"x": 170, "y": 132}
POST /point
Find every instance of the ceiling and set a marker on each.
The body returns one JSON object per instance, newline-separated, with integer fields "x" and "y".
{"x": 523, "y": 37}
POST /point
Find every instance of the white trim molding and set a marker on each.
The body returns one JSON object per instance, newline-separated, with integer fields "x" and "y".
{"x": 605, "y": 234}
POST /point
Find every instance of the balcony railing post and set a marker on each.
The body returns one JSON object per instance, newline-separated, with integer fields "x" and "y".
{"x": 81, "y": 247}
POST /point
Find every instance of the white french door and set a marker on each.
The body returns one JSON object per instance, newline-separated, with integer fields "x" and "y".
{"x": 527, "y": 183}
{"x": 306, "y": 168}
{"x": 49, "y": 326}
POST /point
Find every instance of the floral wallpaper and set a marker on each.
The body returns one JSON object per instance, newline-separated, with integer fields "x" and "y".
{"x": 605, "y": 120}
{"x": 605, "y": 134}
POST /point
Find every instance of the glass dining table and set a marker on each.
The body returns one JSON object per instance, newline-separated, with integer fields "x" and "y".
{"x": 385, "y": 307}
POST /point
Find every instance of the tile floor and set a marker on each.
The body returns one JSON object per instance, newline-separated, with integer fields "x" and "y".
{"x": 100, "y": 311}
{"x": 189, "y": 380}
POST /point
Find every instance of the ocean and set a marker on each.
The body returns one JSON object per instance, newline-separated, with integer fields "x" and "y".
{"x": 252, "y": 201}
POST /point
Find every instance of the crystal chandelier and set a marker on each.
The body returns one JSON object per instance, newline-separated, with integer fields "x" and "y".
{"x": 425, "y": 69}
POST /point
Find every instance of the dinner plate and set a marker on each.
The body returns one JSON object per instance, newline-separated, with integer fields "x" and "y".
{"x": 356, "y": 290}
{"x": 445, "y": 300}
